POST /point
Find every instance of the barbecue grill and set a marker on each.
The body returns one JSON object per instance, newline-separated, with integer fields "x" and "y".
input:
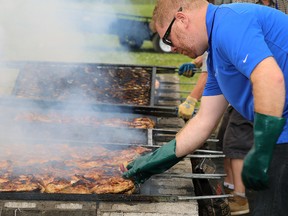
{"x": 34, "y": 90}
{"x": 107, "y": 83}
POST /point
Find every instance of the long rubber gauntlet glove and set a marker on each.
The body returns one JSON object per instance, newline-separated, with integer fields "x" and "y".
{"x": 143, "y": 167}
{"x": 267, "y": 130}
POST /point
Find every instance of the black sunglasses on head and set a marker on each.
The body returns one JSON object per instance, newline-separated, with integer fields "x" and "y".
{"x": 168, "y": 31}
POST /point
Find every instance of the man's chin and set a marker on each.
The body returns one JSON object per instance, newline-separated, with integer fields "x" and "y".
{"x": 190, "y": 55}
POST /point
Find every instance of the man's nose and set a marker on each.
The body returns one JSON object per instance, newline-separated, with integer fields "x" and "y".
{"x": 173, "y": 49}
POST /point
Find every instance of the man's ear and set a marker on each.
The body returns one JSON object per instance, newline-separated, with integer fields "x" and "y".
{"x": 182, "y": 18}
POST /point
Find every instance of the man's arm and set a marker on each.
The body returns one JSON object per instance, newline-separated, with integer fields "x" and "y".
{"x": 269, "y": 98}
{"x": 268, "y": 88}
{"x": 199, "y": 128}
{"x": 187, "y": 141}
{"x": 186, "y": 109}
{"x": 199, "y": 87}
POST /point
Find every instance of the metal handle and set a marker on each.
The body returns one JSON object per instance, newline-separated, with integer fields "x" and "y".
{"x": 190, "y": 176}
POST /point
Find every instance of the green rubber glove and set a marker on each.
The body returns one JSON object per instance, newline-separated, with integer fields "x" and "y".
{"x": 267, "y": 130}
{"x": 143, "y": 167}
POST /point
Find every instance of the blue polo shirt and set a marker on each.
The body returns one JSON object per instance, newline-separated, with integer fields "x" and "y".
{"x": 241, "y": 35}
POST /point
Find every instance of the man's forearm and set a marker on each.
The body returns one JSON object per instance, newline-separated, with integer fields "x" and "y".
{"x": 192, "y": 137}
{"x": 199, "y": 128}
{"x": 199, "y": 87}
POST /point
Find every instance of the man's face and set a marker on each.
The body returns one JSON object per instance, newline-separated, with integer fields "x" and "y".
{"x": 177, "y": 35}
{"x": 166, "y": 37}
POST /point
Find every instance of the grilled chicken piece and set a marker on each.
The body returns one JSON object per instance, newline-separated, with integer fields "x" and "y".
{"x": 79, "y": 187}
{"x": 19, "y": 184}
{"x": 114, "y": 185}
{"x": 143, "y": 122}
{"x": 56, "y": 185}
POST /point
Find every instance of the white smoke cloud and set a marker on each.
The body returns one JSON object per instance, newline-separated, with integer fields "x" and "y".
{"x": 52, "y": 30}
{"x": 48, "y": 30}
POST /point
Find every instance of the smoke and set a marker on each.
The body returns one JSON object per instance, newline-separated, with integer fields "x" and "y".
{"x": 54, "y": 30}
{"x": 50, "y": 30}
{"x": 52, "y": 104}
{"x": 38, "y": 124}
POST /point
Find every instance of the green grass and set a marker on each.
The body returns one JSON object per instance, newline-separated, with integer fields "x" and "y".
{"x": 106, "y": 48}
{"x": 140, "y": 9}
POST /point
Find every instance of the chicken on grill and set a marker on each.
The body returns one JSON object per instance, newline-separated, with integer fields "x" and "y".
{"x": 71, "y": 169}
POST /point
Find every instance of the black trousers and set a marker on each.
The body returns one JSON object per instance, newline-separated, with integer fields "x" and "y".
{"x": 274, "y": 201}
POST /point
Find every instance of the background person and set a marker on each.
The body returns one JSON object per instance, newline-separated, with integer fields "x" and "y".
{"x": 186, "y": 109}
{"x": 237, "y": 142}
{"x": 281, "y": 5}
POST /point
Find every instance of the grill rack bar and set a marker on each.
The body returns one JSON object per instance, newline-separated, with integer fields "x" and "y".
{"x": 20, "y": 64}
{"x": 190, "y": 176}
{"x": 103, "y": 197}
{"x": 160, "y": 69}
{"x": 154, "y": 70}
{"x": 159, "y": 111}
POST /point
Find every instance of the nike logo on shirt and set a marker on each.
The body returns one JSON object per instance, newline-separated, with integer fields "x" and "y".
{"x": 244, "y": 61}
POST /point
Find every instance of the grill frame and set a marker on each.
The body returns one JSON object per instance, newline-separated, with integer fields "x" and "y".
{"x": 154, "y": 70}
{"x": 152, "y": 110}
